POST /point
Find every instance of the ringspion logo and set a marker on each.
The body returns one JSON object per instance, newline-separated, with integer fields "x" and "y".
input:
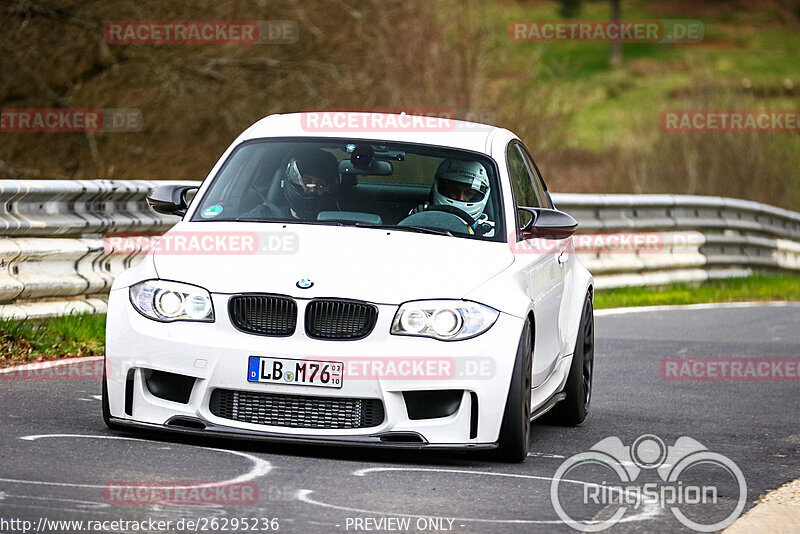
{"x": 594, "y": 490}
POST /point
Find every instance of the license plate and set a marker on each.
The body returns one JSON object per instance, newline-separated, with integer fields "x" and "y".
{"x": 325, "y": 374}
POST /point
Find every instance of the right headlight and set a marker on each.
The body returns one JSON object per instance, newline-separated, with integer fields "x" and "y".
{"x": 166, "y": 301}
{"x": 443, "y": 319}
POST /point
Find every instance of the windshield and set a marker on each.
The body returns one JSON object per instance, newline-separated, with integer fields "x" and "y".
{"x": 358, "y": 183}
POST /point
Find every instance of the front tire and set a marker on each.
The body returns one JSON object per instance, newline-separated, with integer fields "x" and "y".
{"x": 515, "y": 432}
{"x": 573, "y": 409}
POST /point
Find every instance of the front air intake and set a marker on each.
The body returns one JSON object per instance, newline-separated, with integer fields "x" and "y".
{"x": 296, "y": 411}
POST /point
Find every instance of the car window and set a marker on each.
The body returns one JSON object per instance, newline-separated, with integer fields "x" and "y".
{"x": 355, "y": 182}
{"x": 522, "y": 179}
{"x": 538, "y": 183}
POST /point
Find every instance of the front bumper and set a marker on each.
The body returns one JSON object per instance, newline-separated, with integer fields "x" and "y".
{"x": 300, "y": 439}
{"x": 216, "y": 356}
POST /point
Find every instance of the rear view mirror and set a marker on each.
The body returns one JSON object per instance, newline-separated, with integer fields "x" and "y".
{"x": 170, "y": 199}
{"x": 546, "y": 223}
{"x": 374, "y": 168}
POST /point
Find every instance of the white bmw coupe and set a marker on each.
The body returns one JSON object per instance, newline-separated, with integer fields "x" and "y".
{"x": 381, "y": 280}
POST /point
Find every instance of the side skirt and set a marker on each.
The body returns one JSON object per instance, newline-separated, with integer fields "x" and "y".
{"x": 546, "y": 407}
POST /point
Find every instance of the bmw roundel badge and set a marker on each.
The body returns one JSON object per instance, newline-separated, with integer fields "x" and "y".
{"x": 304, "y": 283}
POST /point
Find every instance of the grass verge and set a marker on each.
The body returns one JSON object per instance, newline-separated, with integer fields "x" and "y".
{"x": 24, "y": 341}
{"x": 753, "y": 288}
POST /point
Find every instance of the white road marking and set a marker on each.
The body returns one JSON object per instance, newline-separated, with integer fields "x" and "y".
{"x": 704, "y": 306}
{"x": 304, "y": 495}
{"x": 51, "y": 509}
{"x": 366, "y": 471}
{"x": 260, "y": 467}
{"x": 545, "y": 455}
{"x": 91, "y": 504}
{"x": 647, "y": 511}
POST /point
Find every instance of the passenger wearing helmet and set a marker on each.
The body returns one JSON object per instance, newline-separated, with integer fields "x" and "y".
{"x": 463, "y": 185}
{"x": 310, "y": 183}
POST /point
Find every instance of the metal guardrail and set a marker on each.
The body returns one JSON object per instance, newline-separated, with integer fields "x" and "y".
{"x": 54, "y": 260}
{"x": 61, "y": 208}
{"x": 703, "y": 237}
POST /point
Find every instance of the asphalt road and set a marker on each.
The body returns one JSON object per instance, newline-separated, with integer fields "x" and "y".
{"x": 57, "y": 458}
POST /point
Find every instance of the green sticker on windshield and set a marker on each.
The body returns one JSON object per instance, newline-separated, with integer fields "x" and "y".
{"x": 212, "y": 211}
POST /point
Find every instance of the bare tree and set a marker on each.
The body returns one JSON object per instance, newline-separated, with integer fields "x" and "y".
{"x": 616, "y": 46}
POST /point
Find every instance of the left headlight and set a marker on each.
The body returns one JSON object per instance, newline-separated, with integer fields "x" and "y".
{"x": 443, "y": 319}
{"x": 172, "y": 301}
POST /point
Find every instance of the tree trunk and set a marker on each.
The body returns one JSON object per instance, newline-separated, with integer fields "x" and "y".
{"x": 616, "y": 46}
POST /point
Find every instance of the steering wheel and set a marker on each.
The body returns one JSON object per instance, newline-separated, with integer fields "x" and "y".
{"x": 274, "y": 211}
{"x": 458, "y": 212}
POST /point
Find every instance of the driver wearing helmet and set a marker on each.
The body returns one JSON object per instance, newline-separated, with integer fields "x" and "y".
{"x": 310, "y": 183}
{"x": 463, "y": 185}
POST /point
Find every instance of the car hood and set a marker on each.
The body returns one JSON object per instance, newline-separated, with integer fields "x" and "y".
{"x": 380, "y": 266}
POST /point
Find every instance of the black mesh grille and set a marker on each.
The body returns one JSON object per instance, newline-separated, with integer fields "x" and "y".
{"x": 296, "y": 411}
{"x": 340, "y": 319}
{"x": 265, "y": 315}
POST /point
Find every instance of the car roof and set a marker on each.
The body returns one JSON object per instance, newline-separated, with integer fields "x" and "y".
{"x": 400, "y": 127}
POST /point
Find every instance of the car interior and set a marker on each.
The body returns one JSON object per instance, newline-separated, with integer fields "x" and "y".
{"x": 379, "y": 189}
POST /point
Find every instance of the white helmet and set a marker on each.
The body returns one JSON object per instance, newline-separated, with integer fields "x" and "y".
{"x": 462, "y": 184}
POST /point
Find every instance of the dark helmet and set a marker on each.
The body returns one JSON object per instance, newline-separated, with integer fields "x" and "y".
{"x": 320, "y": 164}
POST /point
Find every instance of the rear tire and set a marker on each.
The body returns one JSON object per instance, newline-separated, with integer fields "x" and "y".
{"x": 515, "y": 432}
{"x": 573, "y": 409}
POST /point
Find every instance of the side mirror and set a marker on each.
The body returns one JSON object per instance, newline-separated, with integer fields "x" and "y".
{"x": 170, "y": 199}
{"x": 546, "y": 223}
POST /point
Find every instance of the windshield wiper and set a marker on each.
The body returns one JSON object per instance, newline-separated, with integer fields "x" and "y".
{"x": 418, "y": 229}
{"x": 286, "y": 221}
{"x": 256, "y": 219}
